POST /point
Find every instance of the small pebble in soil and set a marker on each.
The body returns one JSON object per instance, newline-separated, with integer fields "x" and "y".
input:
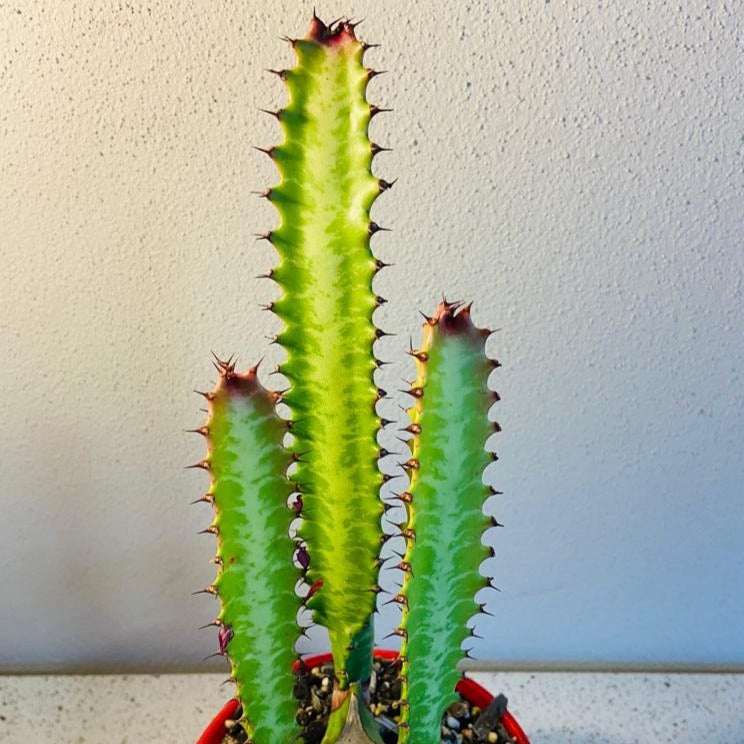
{"x": 461, "y": 722}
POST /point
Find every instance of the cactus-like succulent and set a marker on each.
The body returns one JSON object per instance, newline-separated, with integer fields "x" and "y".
{"x": 321, "y": 463}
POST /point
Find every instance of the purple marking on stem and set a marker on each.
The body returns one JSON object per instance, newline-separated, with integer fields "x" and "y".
{"x": 297, "y": 504}
{"x": 303, "y": 557}
{"x": 225, "y": 636}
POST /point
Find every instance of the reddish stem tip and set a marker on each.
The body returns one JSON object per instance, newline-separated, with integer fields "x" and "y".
{"x": 335, "y": 33}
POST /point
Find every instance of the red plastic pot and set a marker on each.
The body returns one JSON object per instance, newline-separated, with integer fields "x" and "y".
{"x": 469, "y": 689}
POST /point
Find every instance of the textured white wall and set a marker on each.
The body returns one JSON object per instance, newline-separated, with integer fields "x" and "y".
{"x": 575, "y": 168}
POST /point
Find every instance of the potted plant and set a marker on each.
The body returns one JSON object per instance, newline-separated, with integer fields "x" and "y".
{"x": 306, "y": 484}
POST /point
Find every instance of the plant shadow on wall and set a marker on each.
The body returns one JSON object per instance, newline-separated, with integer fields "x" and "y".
{"x": 298, "y": 515}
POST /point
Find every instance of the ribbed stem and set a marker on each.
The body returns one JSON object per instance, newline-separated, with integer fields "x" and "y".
{"x": 325, "y": 271}
{"x": 256, "y": 579}
{"x": 445, "y": 518}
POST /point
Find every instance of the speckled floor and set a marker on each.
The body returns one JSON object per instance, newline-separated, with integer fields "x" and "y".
{"x": 553, "y": 708}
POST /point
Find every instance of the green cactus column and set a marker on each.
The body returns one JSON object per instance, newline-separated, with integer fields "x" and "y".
{"x": 256, "y": 579}
{"x": 325, "y": 272}
{"x": 445, "y": 518}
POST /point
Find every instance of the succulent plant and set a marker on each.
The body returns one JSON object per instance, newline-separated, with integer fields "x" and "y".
{"x": 317, "y": 464}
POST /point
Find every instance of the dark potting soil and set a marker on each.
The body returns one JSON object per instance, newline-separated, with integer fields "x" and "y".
{"x": 462, "y": 723}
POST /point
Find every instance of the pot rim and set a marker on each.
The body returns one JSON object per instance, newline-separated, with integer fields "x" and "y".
{"x": 468, "y": 688}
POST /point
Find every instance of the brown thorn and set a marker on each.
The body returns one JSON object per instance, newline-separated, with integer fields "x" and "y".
{"x": 281, "y": 74}
{"x": 450, "y": 307}
{"x": 211, "y": 589}
{"x": 225, "y": 367}
{"x": 421, "y": 356}
{"x": 207, "y": 498}
{"x": 276, "y": 114}
{"x": 223, "y": 362}
{"x": 202, "y": 465}
{"x": 377, "y": 149}
{"x": 375, "y": 228}
{"x": 482, "y": 608}
{"x": 379, "y": 333}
